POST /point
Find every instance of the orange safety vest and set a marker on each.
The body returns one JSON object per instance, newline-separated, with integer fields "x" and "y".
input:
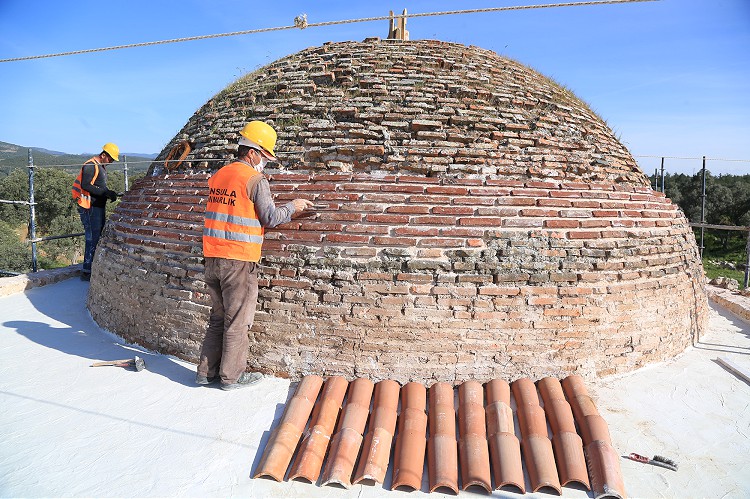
{"x": 231, "y": 227}
{"x": 81, "y": 196}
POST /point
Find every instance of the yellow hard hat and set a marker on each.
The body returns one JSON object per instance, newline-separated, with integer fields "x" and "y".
{"x": 112, "y": 150}
{"x": 259, "y": 134}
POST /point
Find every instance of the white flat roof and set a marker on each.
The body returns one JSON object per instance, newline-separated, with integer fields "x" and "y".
{"x": 72, "y": 430}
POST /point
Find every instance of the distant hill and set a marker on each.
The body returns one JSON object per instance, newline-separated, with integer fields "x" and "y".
{"x": 13, "y": 156}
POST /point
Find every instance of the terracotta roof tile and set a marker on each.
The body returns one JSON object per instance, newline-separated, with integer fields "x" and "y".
{"x": 408, "y": 460}
{"x": 314, "y": 445}
{"x": 602, "y": 460}
{"x": 376, "y": 449}
{"x": 442, "y": 447}
{"x": 348, "y": 438}
{"x": 536, "y": 445}
{"x": 473, "y": 449}
{"x": 604, "y": 469}
{"x": 567, "y": 445}
{"x": 505, "y": 449}
{"x": 284, "y": 439}
{"x": 488, "y": 446}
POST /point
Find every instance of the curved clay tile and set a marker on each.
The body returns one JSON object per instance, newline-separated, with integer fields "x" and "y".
{"x": 497, "y": 390}
{"x": 376, "y": 449}
{"x": 550, "y": 389}
{"x": 505, "y": 449}
{"x": 536, "y": 445}
{"x": 579, "y": 399}
{"x": 596, "y": 429}
{"x": 314, "y": 445}
{"x": 540, "y": 463}
{"x": 592, "y": 425}
{"x": 567, "y": 445}
{"x": 524, "y": 392}
{"x": 531, "y": 420}
{"x": 348, "y": 438}
{"x": 604, "y": 466}
{"x": 601, "y": 458}
{"x": 582, "y": 406}
{"x": 285, "y": 437}
{"x": 571, "y": 463}
{"x": 442, "y": 448}
{"x": 408, "y": 461}
{"x": 560, "y": 416}
{"x": 473, "y": 450}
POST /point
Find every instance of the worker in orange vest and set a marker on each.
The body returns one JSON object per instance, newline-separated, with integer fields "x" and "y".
{"x": 91, "y": 193}
{"x": 238, "y": 210}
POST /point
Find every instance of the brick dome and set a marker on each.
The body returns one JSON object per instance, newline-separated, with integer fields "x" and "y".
{"x": 481, "y": 221}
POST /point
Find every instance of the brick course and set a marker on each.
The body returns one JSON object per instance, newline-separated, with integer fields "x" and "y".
{"x": 481, "y": 222}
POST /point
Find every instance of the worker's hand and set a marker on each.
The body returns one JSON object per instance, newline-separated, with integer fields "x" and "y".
{"x": 301, "y": 204}
{"x": 111, "y": 195}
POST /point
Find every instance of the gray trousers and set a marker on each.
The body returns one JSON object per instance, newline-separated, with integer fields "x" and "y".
{"x": 233, "y": 286}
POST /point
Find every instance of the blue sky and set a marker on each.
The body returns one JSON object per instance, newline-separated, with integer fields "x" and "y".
{"x": 671, "y": 77}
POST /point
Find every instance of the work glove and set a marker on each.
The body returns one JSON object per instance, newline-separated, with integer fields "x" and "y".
{"x": 111, "y": 195}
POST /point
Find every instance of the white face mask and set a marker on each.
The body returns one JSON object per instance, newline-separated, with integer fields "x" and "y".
{"x": 262, "y": 164}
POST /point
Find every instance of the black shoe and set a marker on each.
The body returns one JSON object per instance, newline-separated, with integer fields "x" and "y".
{"x": 246, "y": 379}
{"x": 85, "y": 276}
{"x": 203, "y": 380}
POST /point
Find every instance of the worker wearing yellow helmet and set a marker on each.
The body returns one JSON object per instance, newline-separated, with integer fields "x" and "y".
{"x": 238, "y": 210}
{"x": 91, "y": 193}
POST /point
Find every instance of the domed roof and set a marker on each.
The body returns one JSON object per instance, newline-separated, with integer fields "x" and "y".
{"x": 426, "y": 107}
{"x": 478, "y": 221}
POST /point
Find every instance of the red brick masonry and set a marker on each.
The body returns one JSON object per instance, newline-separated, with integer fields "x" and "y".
{"x": 481, "y": 222}
{"x": 398, "y": 289}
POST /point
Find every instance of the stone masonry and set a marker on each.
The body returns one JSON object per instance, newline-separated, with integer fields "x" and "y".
{"x": 480, "y": 222}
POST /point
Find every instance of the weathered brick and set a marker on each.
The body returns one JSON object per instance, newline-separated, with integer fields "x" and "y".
{"x": 434, "y": 220}
{"x": 411, "y": 209}
{"x": 346, "y": 238}
{"x": 366, "y": 229}
{"x": 542, "y": 202}
{"x": 562, "y": 224}
{"x": 584, "y": 234}
{"x": 393, "y": 241}
{"x": 387, "y": 218}
{"x": 534, "y": 212}
{"x": 453, "y": 210}
{"x": 480, "y": 221}
{"x": 452, "y": 190}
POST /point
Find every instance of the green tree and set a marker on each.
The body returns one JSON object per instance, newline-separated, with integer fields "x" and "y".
{"x": 727, "y": 197}
{"x": 56, "y": 214}
{"x": 66, "y": 250}
{"x": 53, "y": 198}
{"x": 14, "y": 187}
{"x": 738, "y": 211}
{"x": 674, "y": 185}
{"x": 15, "y": 256}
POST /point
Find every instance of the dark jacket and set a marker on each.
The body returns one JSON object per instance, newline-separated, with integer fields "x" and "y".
{"x": 98, "y": 188}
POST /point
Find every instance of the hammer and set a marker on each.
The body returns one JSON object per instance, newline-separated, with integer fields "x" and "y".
{"x": 135, "y": 362}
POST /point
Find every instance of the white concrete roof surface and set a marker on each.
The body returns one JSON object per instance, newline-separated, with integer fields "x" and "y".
{"x": 71, "y": 430}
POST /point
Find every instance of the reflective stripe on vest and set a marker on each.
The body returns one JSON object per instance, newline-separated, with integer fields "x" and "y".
{"x": 231, "y": 227}
{"x": 82, "y": 196}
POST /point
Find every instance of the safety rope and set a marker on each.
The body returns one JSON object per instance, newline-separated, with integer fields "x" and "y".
{"x": 300, "y": 22}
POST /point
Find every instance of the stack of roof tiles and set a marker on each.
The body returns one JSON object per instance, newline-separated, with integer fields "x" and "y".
{"x": 479, "y": 221}
{"x": 485, "y": 450}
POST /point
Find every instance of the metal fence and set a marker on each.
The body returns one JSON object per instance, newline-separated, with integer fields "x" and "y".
{"x": 703, "y": 226}
{"x": 31, "y": 203}
{"x": 658, "y": 186}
